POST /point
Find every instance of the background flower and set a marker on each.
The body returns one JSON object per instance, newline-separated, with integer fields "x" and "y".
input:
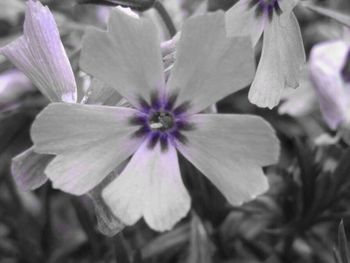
{"x": 327, "y": 61}
{"x": 40, "y": 55}
{"x": 277, "y": 69}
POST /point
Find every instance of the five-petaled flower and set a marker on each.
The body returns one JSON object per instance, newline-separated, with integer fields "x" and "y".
{"x": 165, "y": 119}
{"x": 283, "y": 54}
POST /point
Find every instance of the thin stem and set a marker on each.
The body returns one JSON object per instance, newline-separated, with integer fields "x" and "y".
{"x": 166, "y": 18}
{"x": 47, "y": 228}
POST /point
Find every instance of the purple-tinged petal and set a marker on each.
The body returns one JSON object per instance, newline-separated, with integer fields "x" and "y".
{"x": 90, "y": 141}
{"x": 231, "y": 150}
{"x": 127, "y": 57}
{"x": 326, "y": 62}
{"x": 330, "y": 56}
{"x": 150, "y": 187}
{"x": 39, "y": 53}
{"x": 13, "y": 85}
{"x": 241, "y": 20}
{"x": 100, "y": 93}
{"x": 28, "y": 169}
{"x": 209, "y": 66}
{"x": 277, "y": 69}
{"x": 102, "y": 13}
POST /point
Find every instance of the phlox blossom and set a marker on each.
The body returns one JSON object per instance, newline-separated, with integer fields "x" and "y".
{"x": 164, "y": 120}
{"x": 283, "y": 54}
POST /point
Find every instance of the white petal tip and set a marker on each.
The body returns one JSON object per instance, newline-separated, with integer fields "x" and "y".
{"x": 264, "y": 100}
{"x": 263, "y": 188}
{"x": 170, "y": 221}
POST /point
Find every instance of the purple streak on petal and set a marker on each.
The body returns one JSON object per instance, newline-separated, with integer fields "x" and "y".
{"x": 39, "y": 53}
{"x": 156, "y": 101}
{"x": 164, "y": 143}
{"x": 153, "y": 139}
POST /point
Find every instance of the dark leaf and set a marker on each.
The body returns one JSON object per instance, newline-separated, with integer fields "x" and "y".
{"x": 122, "y": 254}
{"x": 342, "y": 172}
{"x": 167, "y": 241}
{"x": 343, "y": 244}
{"x": 87, "y": 224}
{"x": 308, "y": 173}
{"x": 336, "y": 256}
{"x": 201, "y": 249}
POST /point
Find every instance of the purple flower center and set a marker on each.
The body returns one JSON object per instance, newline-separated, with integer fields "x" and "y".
{"x": 265, "y": 6}
{"x": 161, "y": 122}
{"x": 345, "y": 73}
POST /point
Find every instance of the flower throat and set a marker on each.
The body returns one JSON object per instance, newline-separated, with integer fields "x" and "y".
{"x": 161, "y": 121}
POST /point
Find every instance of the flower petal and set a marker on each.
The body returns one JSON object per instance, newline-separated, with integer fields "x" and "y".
{"x": 149, "y": 187}
{"x": 13, "y": 85}
{"x": 277, "y": 69}
{"x": 102, "y": 94}
{"x": 230, "y": 150}
{"x": 90, "y": 142}
{"x": 28, "y": 169}
{"x": 326, "y": 61}
{"x": 241, "y": 20}
{"x": 293, "y": 44}
{"x": 39, "y": 53}
{"x": 208, "y": 65}
{"x": 127, "y": 57}
{"x": 288, "y": 5}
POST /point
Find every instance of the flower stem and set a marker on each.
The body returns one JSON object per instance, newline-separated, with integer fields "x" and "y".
{"x": 165, "y": 17}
